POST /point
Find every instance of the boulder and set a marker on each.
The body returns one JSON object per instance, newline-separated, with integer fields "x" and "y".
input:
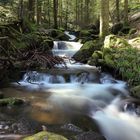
{"x": 87, "y": 50}
{"x": 11, "y": 101}
{"x": 44, "y": 135}
{"x": 136, "y": 91}
{"x": 116, "y": 28}
{"x": 89, "y": 136}
{"x": 120, "y": 55}
{"x": 96, "y": 58}
{"x": 56, "y": 34}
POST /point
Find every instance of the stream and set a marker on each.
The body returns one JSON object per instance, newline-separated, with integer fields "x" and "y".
{"x": 62, "y": 95}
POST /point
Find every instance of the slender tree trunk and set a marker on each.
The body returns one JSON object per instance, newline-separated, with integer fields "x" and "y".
{"x": 76, "y": 13}
{"x": 60, "y": 13}
{"x": 66, "y": 17}
{"x": 49, "y": 17}
{"x": 104, "y": 18}
{"x": 117, "y": 10}
{"x": 55, "y": 12}
{"x": 126, "y": 11}
{"x": 87, "y": 2}
{"x": 20, "y": 11}
{"x": 31, "y": 10}
{"x": 39, "y": 10}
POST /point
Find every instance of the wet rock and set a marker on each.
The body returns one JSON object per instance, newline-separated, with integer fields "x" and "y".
{"x": 44, "y": 135}
{"x": 11, "y": 101}
{"x": 71, "y": 127}
{"x": 89, "y": 136}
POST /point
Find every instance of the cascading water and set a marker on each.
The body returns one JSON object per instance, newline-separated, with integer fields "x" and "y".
{"x": 81, "y": 89}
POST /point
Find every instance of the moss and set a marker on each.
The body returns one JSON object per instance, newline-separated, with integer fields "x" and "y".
{"x": 96, "y": 56}
{"x": 11, "y": 101}
{"x": 87, "y": 50}
{"x": 45, "y": 135}
{"x": 84, "y": 33}
{"x": 120, "y": 55}
{"x": 136, "y": 91}
{"x": 113, "y": 41}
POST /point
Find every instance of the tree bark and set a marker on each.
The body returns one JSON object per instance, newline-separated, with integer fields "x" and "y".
{"x": 104, "y": 18}
{"x": 39, "y": 11}
{"x": 55, "y": 12}
{"x": 117, "y": 10}
{"x": 31, "y": 9}
{"x": 125, "y": 11}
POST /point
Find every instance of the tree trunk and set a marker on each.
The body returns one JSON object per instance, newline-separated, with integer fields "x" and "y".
{"x": 87, "y": 2}
{"x": 117, "y": 10}
{"x": 125, "y": 11}
{"x": 20, "y": 10}
{"x": 38, "y": 4}
{"x": 31, "y": 10}
{"x": 55, "y": 12}
{"x": 104, "y": 18}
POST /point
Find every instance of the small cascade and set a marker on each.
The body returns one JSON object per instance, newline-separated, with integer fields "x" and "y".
{"x": 34, "y": 77}
{"x": 72, "y": 37}
{"x": 65, "y": 49}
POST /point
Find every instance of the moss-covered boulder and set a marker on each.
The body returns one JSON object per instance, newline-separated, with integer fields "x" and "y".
{"x": 87, "y": 35}
{"x": 112, "y": 41}
{"x": 96, "y": 58}
{"x": 136, "y": 91}
{"x": 56, "y": 34}
{"x": 44, "y": 135}
{"x": 11, "y": 101}
{"x": 120, "y": 55}
{"x": 87, "y": 50}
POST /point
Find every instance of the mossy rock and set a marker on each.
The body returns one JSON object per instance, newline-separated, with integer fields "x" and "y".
{"x": 113, "y": 41}
{"x": 87, "y": 50}
{"x": 84, "y": 33}
{"x": 11, "y": 101}
{"x": 57, "y": 34}
{"x": 94, "y": 59}
{"x": 44, "y": 135}
{"x": 121, "y": 56}
{"x": 136, "y": 91}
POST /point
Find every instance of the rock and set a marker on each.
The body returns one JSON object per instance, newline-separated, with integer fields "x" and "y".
{"x": 135, "y": 42}
{"x": 112, "y": 41}
{"x": 87, "y": 50}
{"x": 120, "y": 55}
{"x": 89, "y": 136}
{"x": 44, "y": 135}
{"x": 136, "y": 91}
{"x": 11, "y": 101}
{"x": 116, "y": 28}
{"x": 56, "y": 34}
{"x": 95, "y": 59}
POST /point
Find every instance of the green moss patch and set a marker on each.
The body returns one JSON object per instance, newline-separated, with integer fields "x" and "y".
{"x": 11, "y": 101}
{"x": 44, "y": 135}
{"x": 87, "y": 50}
